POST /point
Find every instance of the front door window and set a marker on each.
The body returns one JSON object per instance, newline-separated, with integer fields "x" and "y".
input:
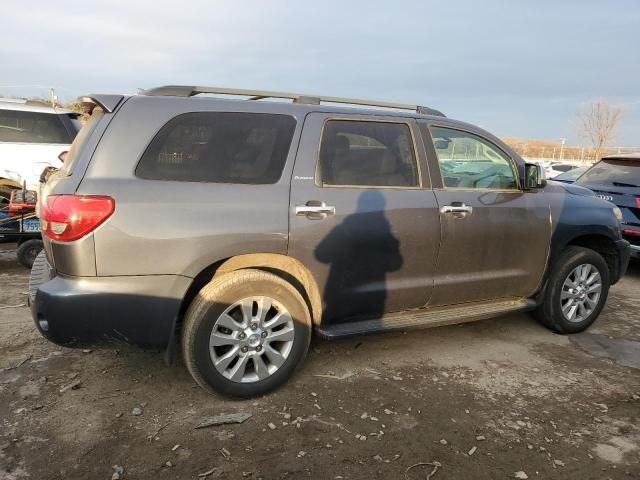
{"x": 468, "y": 161}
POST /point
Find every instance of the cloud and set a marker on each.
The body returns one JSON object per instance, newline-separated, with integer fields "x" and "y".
{"x": 518, "y": 68}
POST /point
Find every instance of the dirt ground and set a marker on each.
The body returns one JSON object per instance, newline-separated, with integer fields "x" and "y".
{"x": 502, "y": 398}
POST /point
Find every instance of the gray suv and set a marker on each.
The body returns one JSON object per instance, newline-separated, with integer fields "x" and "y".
{"x": 241, "y": 226}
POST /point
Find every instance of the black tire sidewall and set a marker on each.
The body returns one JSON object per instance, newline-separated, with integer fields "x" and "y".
{"x": 23, "y": 252}
{"x": 226, "y": 297}
{"x": 552, "y": 308}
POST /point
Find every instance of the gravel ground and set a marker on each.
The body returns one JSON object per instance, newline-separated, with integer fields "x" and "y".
{"x": 502, "y": 398}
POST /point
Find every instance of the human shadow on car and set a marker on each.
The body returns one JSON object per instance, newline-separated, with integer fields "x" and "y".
{"x": 360, "y": 251}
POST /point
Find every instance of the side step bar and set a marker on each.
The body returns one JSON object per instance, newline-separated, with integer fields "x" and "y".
{"x": 426, "y": 318}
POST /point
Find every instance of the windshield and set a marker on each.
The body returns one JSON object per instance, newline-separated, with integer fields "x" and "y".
{"x": 571, "y": 174}
{"x": 610, "y": 171}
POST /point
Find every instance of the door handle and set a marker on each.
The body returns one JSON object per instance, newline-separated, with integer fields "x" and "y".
{"x": 460, "y": 209}
{"x": 319, "y": 210}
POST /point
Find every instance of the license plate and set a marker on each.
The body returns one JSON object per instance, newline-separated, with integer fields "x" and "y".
{"x": 31, "y": 225}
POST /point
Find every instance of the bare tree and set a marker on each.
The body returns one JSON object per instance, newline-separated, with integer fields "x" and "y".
{"x": 597, "y": 123}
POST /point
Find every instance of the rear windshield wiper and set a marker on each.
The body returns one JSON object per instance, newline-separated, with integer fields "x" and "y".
{"x": 622, "y": 184}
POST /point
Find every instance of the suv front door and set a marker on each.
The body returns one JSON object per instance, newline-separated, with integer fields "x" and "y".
{"x": 495, "y": 236}
{"x": 362, "y": 216}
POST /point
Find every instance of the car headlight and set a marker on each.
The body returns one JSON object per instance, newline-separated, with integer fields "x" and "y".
{"x": 618, "y": 214}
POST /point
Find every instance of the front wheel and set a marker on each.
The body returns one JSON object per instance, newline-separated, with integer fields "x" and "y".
{"x": 245, "y": 333}
{"x": 576, "y": 291}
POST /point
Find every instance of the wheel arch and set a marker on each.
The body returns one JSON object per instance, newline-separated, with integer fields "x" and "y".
{"x": 286, "y": 267}
{"x": 597, "y": 242}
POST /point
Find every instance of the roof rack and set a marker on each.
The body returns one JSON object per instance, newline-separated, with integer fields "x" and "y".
{"x": 190, "y": 91}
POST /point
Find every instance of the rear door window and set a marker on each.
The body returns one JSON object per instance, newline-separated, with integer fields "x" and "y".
{"x": 373, "y": 154}
{"x": 219, "y": 147}
{"x": 17, "y": 126}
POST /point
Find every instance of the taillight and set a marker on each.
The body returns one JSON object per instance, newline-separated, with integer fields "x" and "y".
{"x": 69, "y": 217}
{"x": 631, "y": 232}
{"x": 638, "y": 202}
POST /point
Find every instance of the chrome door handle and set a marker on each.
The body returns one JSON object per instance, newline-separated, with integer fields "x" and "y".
{"x": 318, "y": 210}
{"x": 461, "y": 209}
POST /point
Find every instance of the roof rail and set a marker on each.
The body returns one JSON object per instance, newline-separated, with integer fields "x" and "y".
{"x": 190, "y": 91}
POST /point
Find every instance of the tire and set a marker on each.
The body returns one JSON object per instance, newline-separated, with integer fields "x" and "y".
{"x": 22, "y": 196}
{"x": 204, "y": 321}
{"x": 41, "y": 272}
{"x": 28, "y": 251}
{"x": 550, "y": 313}
{"x": 5, "y": 195}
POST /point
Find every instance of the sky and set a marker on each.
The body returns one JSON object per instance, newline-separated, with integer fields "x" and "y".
{"x": 514, "y": 67}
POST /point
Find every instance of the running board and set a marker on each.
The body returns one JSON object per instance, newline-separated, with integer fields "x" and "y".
{"x": 426, "y": 318}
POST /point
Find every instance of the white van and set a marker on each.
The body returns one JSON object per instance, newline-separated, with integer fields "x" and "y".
{"x": 31, "y": 138}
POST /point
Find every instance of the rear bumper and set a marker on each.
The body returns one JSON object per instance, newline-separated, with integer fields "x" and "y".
{"x": 635, "y": 251}
{"x": 136, "y": 309}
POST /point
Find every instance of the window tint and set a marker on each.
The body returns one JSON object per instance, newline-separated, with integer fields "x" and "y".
{"x": 469, "y": 161}
{"x": 246, "y": 148}
{"x": 32, "y": 127}
{"x": 367, "y": 153}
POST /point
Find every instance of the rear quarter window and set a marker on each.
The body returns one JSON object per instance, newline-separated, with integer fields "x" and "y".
{"x": 81, "y": 139}
{"x": 17, "y": 126}
{"x": 219, "y": 147}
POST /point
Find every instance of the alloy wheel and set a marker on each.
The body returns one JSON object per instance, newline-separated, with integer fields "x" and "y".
{"x": 251, "y": 339}
{"x": 580, "y": 292}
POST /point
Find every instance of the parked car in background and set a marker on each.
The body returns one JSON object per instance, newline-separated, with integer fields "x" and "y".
{"x": 32, "y": 136}
{"x": 556, "y": 168}
{"x": 242, "y": 226}
{"x": 572, "y": 175}
{"x": 616, "y": 178}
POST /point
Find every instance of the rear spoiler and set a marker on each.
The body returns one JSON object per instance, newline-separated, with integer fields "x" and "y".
{"x": 108, "y": 103}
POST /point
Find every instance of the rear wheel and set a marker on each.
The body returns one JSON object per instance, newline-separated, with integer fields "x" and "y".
{"x": 28, "y": 251}
{"x": 245, "y": 333}
{"x": 576, "y": 291}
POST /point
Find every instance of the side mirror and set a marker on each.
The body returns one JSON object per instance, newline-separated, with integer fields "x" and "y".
{"x": 442, "y": 144}
{"x": 63, "y": 156}
{"x": 534, "y": 176}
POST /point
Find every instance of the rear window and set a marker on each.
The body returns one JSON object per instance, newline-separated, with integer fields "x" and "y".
{"x": 32, "y": 127}
{"x": 81, "y": 139}
{"x": 243, "y": 148}
{"x": 613, "y": 171}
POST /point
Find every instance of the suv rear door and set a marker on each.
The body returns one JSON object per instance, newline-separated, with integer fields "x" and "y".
{"x": 363, "y": 218}
{"x": 495, "y": 236}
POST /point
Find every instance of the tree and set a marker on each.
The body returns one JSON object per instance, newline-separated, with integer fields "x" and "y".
{"x": 597, "y": 123}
